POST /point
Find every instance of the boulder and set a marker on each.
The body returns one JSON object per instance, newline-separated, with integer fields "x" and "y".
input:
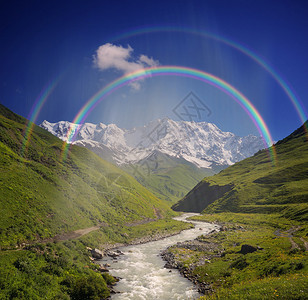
{"x": 97, "y": 253}
{"x": 113, "y": 254}
{"x": 103, "y": 269}
{"x": 168, "y": 265}
{"x": 247, "y": 249}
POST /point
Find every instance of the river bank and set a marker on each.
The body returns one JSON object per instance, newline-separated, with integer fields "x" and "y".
{"x": 252, "y": 257}
{"x": 243, "y": 254}
{"x": 179, "y": 257}
{"x": 171, "y": 260}
{"x": 142, "y": 271}
{"x": 111, "y": 250}
{"x": 139, "y": 241}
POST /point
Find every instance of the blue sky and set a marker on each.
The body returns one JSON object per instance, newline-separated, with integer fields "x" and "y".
{"x": 42, "y": 40}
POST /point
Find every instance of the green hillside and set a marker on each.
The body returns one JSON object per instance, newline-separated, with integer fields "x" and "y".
{"x": 167, "y": 177}
{"x": 51, "y": 211}
{"x": 254, "y": 185}
{"x": 42, "y": 196}
{"x": 261, "y": 207}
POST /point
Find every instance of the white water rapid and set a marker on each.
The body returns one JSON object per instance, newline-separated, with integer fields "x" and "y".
{"x": 142, "y": 271}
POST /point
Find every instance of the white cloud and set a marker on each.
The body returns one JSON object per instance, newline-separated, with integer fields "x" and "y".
{"x": 109, "y": 56}
{"x": 148, "y": 61}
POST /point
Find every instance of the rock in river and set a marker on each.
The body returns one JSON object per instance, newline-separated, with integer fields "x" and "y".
{"x": 97, "y": 253}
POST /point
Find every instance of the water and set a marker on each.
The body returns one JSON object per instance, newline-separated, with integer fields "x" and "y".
{"x": 142, "y": 271}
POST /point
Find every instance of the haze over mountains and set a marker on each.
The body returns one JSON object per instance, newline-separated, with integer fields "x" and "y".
{"x": 202, "y": 144}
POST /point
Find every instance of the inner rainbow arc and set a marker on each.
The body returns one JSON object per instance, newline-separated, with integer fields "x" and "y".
{"x": 208, "y": 78}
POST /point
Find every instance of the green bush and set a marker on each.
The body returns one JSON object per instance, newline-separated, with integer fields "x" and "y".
{"x": 109, "y": 279}
{"x": 86, "y": 287}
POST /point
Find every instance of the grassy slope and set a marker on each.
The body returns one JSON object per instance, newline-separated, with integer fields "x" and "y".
{"x": 63, "y": 270}
{"x": 276, "y": 271}
{"x": 260, "y": 187}
{"x": 41, "y": 196}
{"x": 166, "y": 177}
{"x": 265, "y": 206}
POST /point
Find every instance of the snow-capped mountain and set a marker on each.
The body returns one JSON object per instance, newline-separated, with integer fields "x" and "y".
{"x": 202, "y": 144}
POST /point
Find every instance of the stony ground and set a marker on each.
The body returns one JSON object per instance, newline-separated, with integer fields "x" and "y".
{"x": 189, "y": 255}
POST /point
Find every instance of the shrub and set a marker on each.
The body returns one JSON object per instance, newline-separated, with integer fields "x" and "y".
{"x": 90, "y": 287}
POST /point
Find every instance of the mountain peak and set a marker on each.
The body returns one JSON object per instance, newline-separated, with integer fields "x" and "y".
{"x": 202, "y": 144}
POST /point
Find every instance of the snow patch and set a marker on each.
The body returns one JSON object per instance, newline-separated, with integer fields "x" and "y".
{"x": 199, "y": 143}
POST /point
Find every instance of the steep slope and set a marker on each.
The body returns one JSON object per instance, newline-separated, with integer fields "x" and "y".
{"x": 41, "y": 196}
{"x": 256, "y": 186}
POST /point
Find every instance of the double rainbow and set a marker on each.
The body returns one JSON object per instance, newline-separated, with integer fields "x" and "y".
{"x": 172, "y": 71}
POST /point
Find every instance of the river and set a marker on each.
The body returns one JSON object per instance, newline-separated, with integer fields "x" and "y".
{"x": 142, "y": 271}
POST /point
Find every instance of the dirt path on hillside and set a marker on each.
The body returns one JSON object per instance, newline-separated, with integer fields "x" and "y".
{"x": 61, "y": 237}
{"x": 293, "y": 244}
{"x": 81, "y": 232}
{"x": 77, "y": 233}
{"x": 305, "y": 243}
{"x": 289, "y": 234}
{"x": 157, "y": 214}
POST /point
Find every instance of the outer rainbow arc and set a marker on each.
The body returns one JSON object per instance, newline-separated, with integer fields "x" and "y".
{"x": 299, "y": 107}
{"x": 34, "y": 112}
{"x": 172, "y": 71}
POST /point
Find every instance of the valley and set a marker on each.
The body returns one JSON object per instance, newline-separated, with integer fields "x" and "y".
{"x": 167, "y": 157}
{"x": 154, "y": 150}
{"x": 53, "y": 210}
